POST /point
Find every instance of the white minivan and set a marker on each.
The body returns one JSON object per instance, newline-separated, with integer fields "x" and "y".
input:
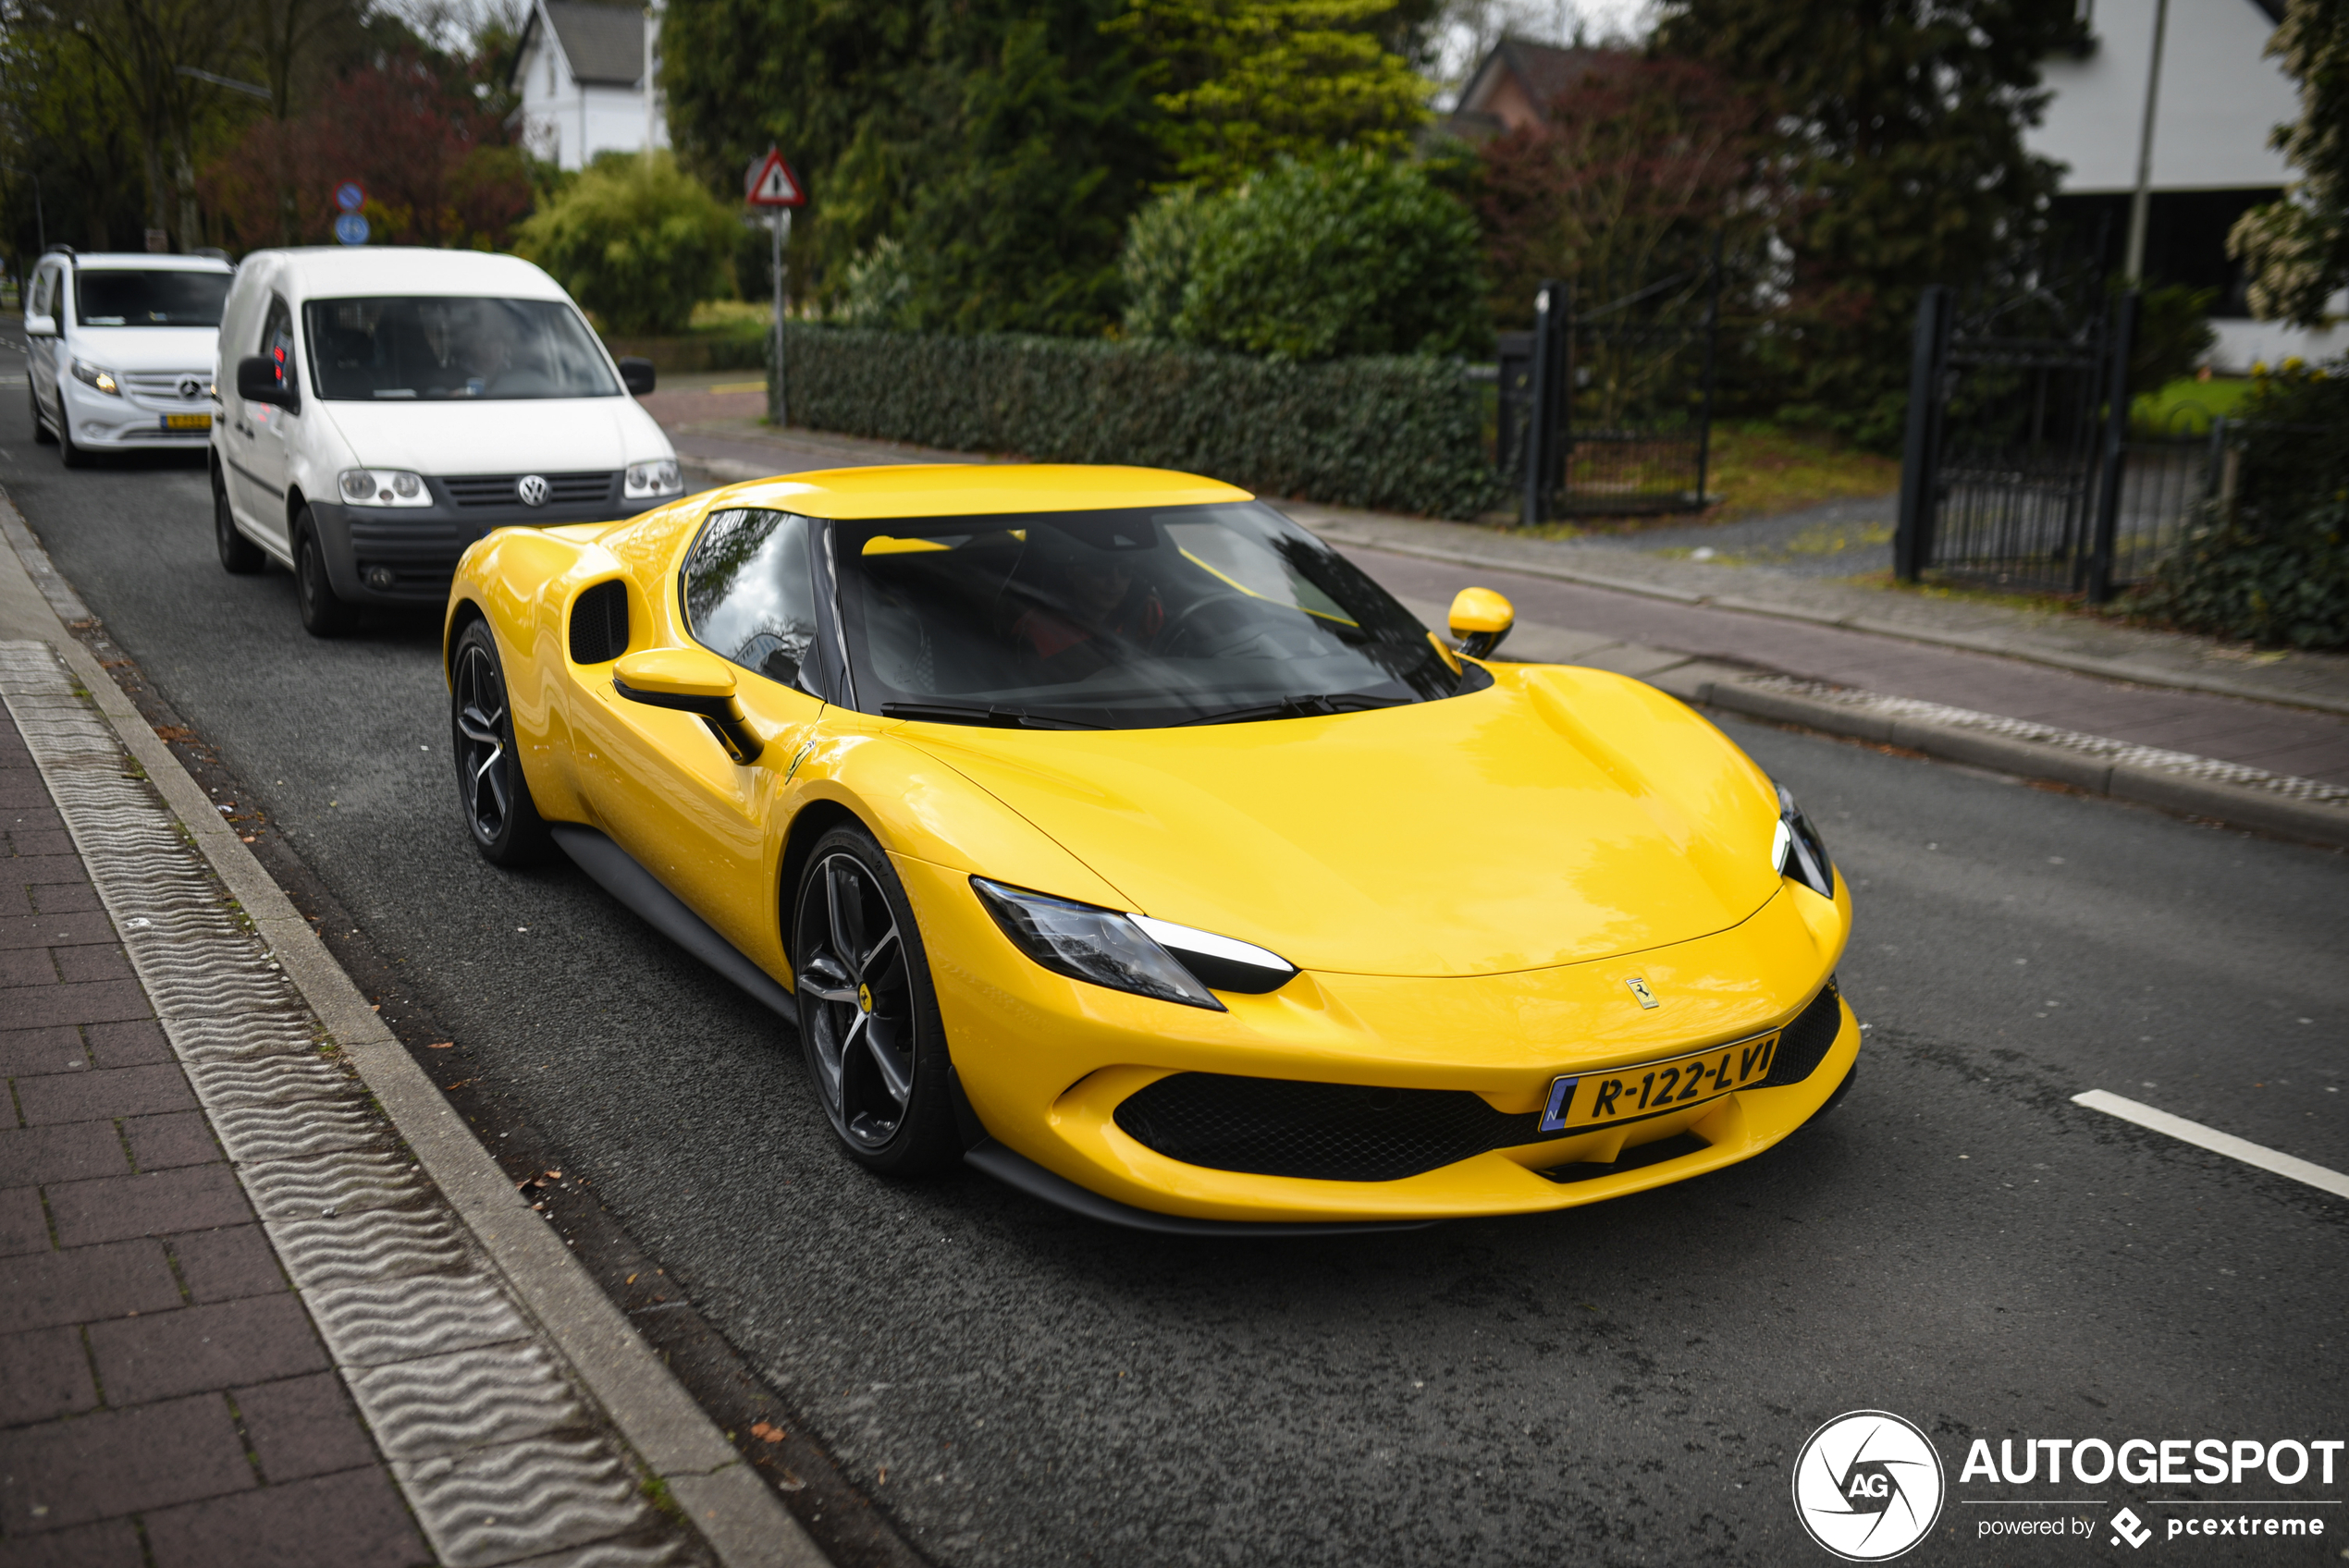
{"x": 383, "y": 408}
{"x": 119, "y": 352}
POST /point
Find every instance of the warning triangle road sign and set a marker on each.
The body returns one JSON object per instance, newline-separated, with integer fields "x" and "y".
{"x": 772, "y": 184}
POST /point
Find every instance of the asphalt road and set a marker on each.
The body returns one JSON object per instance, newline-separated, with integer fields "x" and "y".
{"x": 1629, "y": 1383}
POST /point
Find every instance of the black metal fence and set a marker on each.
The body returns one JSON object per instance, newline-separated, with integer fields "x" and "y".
{"x": 2021, "y": 469}
{"x": 1607, "y": 412}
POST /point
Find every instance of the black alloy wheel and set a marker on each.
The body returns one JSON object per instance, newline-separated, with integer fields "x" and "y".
{"x": 325, "y": 613}
{"x": 237, "y": 554}
{"x": 491, "y": 790}
{"x": 867, "y": 1016}
{"x": 68, "y": 453}
{"x": 42, "y": 434}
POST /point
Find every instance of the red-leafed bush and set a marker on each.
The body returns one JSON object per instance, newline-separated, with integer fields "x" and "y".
{"x": 437, "y": 167}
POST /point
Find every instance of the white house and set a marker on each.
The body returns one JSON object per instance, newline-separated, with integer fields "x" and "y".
{"x": 2216, "y": 98}
{"x": 586, "y": 74}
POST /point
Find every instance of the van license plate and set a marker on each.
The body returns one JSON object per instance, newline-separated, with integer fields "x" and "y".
{"x": 187, "y": 422}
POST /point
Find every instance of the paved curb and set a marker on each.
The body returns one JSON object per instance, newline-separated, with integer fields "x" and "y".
{"x": 736, "y": 1513}
{"x": 2178, "y": 781}
{"x": 1335, "y": 530}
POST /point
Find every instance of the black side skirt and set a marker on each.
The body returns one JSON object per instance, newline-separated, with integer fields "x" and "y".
{"x": 625, "y": 880}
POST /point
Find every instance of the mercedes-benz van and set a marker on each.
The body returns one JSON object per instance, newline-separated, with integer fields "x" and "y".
{"x": 120, "y": 350}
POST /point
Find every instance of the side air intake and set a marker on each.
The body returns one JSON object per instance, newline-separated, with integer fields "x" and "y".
{"x": 599, "y": 623}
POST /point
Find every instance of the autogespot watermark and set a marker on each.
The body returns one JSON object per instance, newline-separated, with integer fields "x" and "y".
{"x": 1869, "y": 1484}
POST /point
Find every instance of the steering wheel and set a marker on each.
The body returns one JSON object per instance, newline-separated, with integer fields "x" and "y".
{"x": 1191, "y": 617}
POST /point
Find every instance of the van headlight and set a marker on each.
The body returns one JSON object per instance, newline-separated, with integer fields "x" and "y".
{"x": 385, "y": 487}
{"x": 90, "y": 375}
{"x": 647, "y": 480}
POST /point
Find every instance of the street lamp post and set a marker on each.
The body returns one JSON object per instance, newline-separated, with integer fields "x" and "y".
{"x": 2141, "y": 205}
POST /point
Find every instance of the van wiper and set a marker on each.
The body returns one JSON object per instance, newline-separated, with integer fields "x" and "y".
{"x": 1314, "y": 705}
{"x": 968, "y": 713}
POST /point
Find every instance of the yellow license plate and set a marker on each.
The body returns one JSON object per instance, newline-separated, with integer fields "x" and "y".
{"x": 1651, "y": 1089}
{"x": 187, "y": 422}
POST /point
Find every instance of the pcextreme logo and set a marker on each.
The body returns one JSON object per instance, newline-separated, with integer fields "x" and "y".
{"x": 1868, "y": 1486}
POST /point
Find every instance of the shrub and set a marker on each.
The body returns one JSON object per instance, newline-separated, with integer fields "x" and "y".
{"x": 1404, "y": 434}
{"x": 1156, "y": 262}
{"x": 1347, "y": 256}
{"x": 635, "y": 240}
{"x": 2270, "y": 562}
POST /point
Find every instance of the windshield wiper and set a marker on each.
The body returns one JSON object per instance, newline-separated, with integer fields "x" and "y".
{"x": 993, "y": 717}
{"x": 1314, "y": 705}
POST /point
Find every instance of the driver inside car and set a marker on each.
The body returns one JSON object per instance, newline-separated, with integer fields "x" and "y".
{"x": 1089, "y": 600}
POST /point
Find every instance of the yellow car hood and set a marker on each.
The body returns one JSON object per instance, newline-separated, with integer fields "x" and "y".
{"x": 1504, "y": 830}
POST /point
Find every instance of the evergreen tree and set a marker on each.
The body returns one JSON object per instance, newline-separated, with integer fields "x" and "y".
{"x": 1000, "y": 144}
{"x": 2298, "y": 247}
{"x": 1244, "y": 82}
{"x": 1902, "y": 121}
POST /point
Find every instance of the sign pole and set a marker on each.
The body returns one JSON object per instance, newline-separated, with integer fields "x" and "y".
{"x": 778, "y": 407}
{"x": 771, "y": 184}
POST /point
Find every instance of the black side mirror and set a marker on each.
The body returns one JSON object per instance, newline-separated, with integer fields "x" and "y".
{"x": 637, "y": 374}
{"x": 257, "y": 381}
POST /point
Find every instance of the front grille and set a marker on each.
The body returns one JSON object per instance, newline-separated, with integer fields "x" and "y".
{"x": 1328, "y": 1131}
{"x": 1803, "y": 1044}
{"x": 163, "y": 386}
{"x": 497, "y": 489}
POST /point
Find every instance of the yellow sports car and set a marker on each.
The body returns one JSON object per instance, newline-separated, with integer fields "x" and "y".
{"x": 1103, "y": 829}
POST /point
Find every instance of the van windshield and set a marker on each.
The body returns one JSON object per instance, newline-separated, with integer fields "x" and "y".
{"x": 437, "y": 347}
{"x": 120, "y": 297}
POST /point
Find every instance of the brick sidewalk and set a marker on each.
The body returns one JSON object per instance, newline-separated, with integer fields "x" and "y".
{"x": 158, "y": 1379}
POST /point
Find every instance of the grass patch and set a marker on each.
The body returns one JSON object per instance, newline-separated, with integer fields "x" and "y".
{"x": 1759, "y": 469}
{"x": 732, "y": 315}
{"x": 2186, "y": 406}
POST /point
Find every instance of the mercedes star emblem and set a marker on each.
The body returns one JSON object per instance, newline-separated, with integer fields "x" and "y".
{"x": 191, "y": 387}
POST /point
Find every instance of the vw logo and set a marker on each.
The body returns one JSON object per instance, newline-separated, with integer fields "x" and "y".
{"x": 1868, "y": 1486}
{"x": 532, "y": 489}
{"x": 191, "y": 387}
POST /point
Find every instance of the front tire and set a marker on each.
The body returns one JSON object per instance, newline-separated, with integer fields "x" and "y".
{"x": 325, "y": 613}
{"x": 69, "y": 453}
{"x": 237, "y": 554}
{"x": 42, "y": 434}
{"x": 491, "y": 790}
{"x": 867, "y": 1015}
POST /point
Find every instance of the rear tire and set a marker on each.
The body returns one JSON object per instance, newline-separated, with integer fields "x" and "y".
{"x": 325, "y": 613}
{"x": 491, "y": 790}
{"x": 237, "y": 554}
{"x": 868, "y": 1016}
{"x": 70, "y": 454}
{"x": 42, "y": 434}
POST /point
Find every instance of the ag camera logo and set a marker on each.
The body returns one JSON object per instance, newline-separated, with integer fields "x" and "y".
{"x": 1868, "y": 1486}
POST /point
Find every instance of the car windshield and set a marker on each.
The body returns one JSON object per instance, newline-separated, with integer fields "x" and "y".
{"x": 1124, "y": 619}
{"x": 112, "y": 296}
{"x": 437, "y": 347}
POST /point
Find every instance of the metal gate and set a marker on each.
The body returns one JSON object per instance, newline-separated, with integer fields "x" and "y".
{"x": 1608, "y": 413}
{"x": 2019, "y": 469}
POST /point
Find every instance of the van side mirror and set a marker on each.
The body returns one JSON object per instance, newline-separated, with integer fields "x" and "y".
{"x": 257, "y": 381}
{"x": 637, "y": 374}
{"x": 1480, "y": 619}
{"x": 39, "y": 326}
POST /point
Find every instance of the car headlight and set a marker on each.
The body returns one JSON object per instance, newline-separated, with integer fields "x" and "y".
{"x": 1130, "y": 952}
{"x": 385, "y": 487}
{"x": 90, "y": 375}
{"x": 652, "y": 478}
{"x": 1797, "y": 851}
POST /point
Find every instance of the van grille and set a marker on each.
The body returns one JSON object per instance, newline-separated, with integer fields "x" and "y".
{"x": 497, "y": 489}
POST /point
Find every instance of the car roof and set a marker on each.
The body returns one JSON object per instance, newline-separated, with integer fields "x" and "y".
{"x": 143, "y": 260}
{"x": 343, "y": 270}
{"x": 907, "y": 490}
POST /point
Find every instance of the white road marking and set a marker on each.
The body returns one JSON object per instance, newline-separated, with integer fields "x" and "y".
{"x": 2211, "y": 1138}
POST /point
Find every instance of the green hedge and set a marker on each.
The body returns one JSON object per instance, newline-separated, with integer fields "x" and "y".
{"x": 1396, "y": 433}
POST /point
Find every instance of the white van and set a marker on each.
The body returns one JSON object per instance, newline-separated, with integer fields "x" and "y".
{"x": 120, "y": 350}
{"x": 383, "y": 408}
